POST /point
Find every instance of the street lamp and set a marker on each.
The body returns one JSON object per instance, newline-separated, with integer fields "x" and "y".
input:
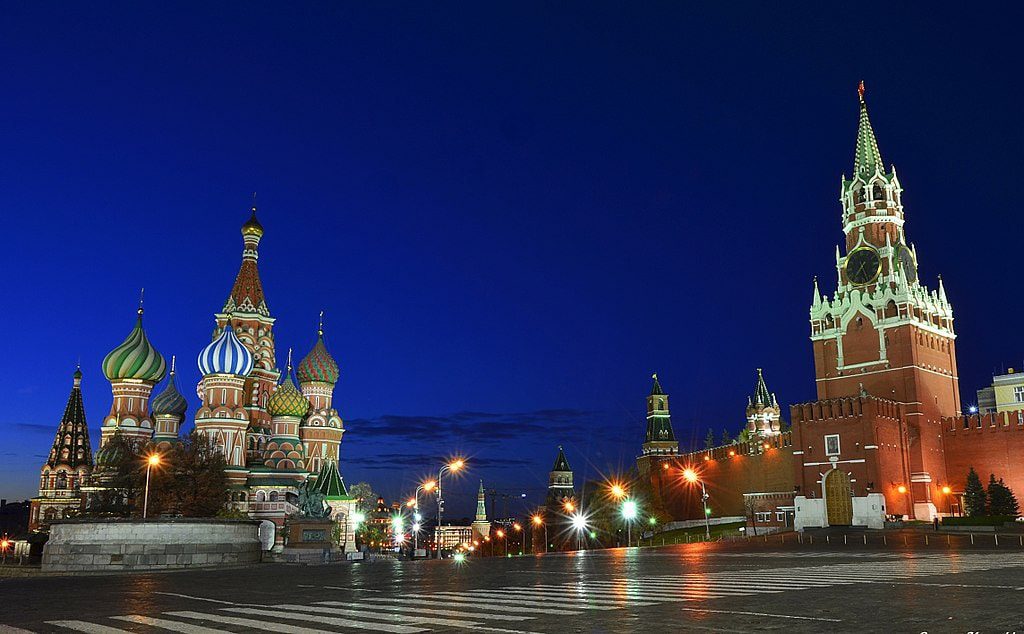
{"x": 417, "y": 518}
{"x": 539, "y": 521}
{"x": 947, "y": 491}
{"x": 152, "y": 461}
{"x": 452, "y": 467}
{"x": 617, "y": 491}
{"x": 629, "y": 512}
{"x": 501, "y": 534}
{"x": 579, "y": 522}
{"x": 691, "y": 476}
{"x": 522, "y": 536}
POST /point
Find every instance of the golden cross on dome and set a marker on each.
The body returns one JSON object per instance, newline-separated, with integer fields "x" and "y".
{"x": 142, "y": 296}
{"x": 320, "y": 328}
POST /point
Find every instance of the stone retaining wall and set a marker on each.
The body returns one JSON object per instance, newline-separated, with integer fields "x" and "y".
{"x": 114, "y": 545}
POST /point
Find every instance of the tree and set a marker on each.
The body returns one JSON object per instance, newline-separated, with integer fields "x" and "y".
{"x": 1001, "y": 500}
{"x": 119, "y": 474}
{"x": 709, "y": 440}
{"x": 726, "y": 437}
{"x": 366, "y": 498}
{"x": 191, "y": 481}
{"x": 751, "y": 504}
{"x": 975, "y": 499}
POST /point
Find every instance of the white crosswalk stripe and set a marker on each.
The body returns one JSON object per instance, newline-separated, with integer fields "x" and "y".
{"x": 590, "y": 598}
{"x": 252, "y": 624}
{"x": 166, "y": 624}
{"x": 85, "y": 626}
{"x": 328, "y": 620}
{"x": 419, "y": 609}
{"x": 485, "y": 607}
{"x": 393, "y": 618}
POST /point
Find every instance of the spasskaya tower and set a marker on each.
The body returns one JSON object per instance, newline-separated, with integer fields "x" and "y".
{"x": 885, "y": 340}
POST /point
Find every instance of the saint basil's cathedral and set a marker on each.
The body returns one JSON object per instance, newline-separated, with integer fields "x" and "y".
{"x": 273, "y": 434}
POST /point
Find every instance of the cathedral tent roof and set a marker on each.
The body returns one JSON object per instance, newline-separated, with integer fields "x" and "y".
{"x": 867, "y": 159}
{"x": 71, "y": 443}
{"x": 330, "y": 483}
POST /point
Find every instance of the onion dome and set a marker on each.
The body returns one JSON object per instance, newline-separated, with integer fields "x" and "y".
{"x": 135, "y": 358}
{"x": 170, "y": 401}
{"x": 252, "y": 227}
{"x": 286, "y": 399}
{"x": 318, "y": 366}
{"x": 226, "y": 355}
{"x": 111, "y": 454}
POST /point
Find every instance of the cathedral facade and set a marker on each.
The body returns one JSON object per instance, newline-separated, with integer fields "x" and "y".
{"x": 274, "y": 435}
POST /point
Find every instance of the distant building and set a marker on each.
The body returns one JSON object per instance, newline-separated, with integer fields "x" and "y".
{"x": 481, "y": 527}
{"x": 560, "y": 486}
{"x": 448, "y": 536}
{"x": 1006, "y": 394}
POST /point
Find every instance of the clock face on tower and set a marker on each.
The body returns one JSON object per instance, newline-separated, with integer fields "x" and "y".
{"x": 862, "y": 266}
{"x": 907, "y": 264}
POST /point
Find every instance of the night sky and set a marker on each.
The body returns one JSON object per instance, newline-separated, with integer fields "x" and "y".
{"x": 511, "y": 218}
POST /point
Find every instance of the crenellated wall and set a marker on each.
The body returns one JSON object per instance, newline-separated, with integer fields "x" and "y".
{"x": 991, "y": 443}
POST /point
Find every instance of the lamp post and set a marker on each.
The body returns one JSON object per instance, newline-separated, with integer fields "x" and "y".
{"x": 427, "y": 486}
{"x": 629, "y": 512}
{"x": 691, "y": 476}
{"x": 947, "y": 491}
{"x": 579, "y": 523}
{"x": 539, "y": 521}
{"x": 452, "y": 466}
{"x": 151, "y": 462}
{"x": 500, "y": 533}
{"x": 522, "y": 536}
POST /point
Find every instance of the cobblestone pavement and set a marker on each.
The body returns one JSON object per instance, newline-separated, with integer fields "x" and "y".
{"x": 717, "y": 587}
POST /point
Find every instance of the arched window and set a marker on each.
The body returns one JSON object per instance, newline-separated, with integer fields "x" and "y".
{"x": 878, "y": 193}
{"x": 273, "y": 496}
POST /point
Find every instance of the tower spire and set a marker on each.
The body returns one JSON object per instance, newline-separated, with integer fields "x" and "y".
{"x": 867, "y": 159}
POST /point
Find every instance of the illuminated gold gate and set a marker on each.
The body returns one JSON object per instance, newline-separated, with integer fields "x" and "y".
{"x": 838, "y": 498}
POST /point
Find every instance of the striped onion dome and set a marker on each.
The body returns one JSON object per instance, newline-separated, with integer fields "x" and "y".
{"x": 226, "y": 355}
{"x": 287, "y": 400}
{"x": 318, "y": 366}
{"x": 170, "y": 400}
{"x": 135, "y": 358}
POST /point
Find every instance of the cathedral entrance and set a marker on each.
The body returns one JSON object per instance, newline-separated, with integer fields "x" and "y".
{"x": 838, "y": 499}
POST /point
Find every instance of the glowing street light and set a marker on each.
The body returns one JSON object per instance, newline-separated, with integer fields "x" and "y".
{"x": 629, "y": 513}
{"x": 358, "y": 518}
{"x": 579, "y": 523}
{"x": 617, "y": 491}
{"x": 452, "y": 467}
{"x": 692, "y": 477}
{"x": 539, "y": 521}
{"x": 152, "y": 461}
{"x": 569, "y": 506}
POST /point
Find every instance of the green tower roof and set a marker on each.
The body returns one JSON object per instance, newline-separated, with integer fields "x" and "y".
{"x": 867, "y": 159}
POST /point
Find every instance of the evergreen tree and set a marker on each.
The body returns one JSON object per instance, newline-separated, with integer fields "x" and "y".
{"x": 366, "y": 498}
{"x": 1001, "y": 500}
{"x": 709, "y": 440}
{"x": 974, "y": 494}
{"x": 726, "y": 437}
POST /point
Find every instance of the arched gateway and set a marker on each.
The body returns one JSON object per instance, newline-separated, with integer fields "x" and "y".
{"x": 838, "y": 498}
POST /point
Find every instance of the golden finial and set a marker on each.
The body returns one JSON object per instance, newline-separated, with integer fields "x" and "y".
{"x": 655, "y": 376}
{"x": 254, "y": 202}
{"x": 142, "y": 296}
{"x": 289, "y": 360}
{"x": 860, "y": 91}
{"x": 173, "y": 357}
{"x": 320, "y": 327}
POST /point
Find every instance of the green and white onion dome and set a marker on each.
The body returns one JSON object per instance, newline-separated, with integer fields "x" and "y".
{"x": 110, "y": 454}
{"x": 287, "y": 400}
{"x": 226, "y": 355}
{"x": 136, "y": 358}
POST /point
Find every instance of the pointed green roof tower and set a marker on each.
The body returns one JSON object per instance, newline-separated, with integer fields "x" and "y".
{"x": 330, "y": 483}
{"x": 660, "y": 439}
{"x": 867, "y": 159}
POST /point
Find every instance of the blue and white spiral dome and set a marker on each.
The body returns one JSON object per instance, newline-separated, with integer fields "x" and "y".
{"x": 226, "y": 355}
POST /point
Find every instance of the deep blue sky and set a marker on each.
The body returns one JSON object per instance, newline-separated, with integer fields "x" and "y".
{"x": 511, "y": 217}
